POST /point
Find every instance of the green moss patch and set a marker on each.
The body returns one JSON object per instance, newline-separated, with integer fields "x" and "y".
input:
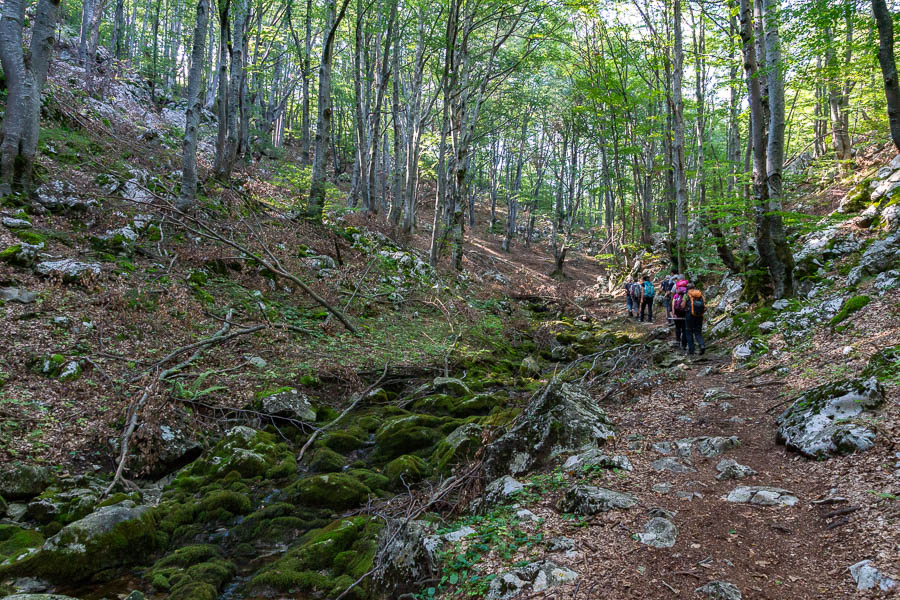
{"x": 851, "y": 306}
{"x": 338, "y": 491}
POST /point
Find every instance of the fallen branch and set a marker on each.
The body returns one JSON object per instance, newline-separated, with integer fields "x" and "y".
{"x": 353, "y": 404}
{"x": 150, "y": 388}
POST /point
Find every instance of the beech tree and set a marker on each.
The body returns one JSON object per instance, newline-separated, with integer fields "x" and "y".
{"x": 25, "y": 77}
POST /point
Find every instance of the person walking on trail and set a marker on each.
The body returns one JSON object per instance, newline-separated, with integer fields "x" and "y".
{"x": 648, "y": 293}
{"x": 678, "y": 312}
{"x": 667, "y": 285}
{"x": 629, "y": 299}
{"x": 694, "y": 307}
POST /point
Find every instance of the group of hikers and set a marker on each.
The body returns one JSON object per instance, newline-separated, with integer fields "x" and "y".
{"x": 684, "y": 305}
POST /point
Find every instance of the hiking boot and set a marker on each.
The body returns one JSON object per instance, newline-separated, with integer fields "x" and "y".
{"x": 702, "y": 349}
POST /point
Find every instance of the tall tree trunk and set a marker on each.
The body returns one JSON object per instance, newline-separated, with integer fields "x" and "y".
{"x": 305, "y": 144}
{"x": 25, "y": 78}
{"x": 885, "y": 23}
{"x": 222, "y": 98}
{"x": 678, "y": 142}
{"x": 192, "y": 114}
{"x": 316, "y": 207}
{"x": 118, "y": 36}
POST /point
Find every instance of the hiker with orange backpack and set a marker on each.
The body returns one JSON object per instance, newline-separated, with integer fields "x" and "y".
{"x": 694, "y": 307}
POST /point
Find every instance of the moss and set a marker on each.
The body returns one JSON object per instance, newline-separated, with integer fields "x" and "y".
{"x": 337, "y": 491}
{"x": 344, "y": 441}
{"x": 187, "y": 556}
{"x": 374, "y": 481}
{"x": 129, "y": 542}
{"x": 31, "y": 237}
{"x": 325, "y": 559}
{"x": 851, "y": 306}
{"x": 216, "y": 572}
{"x": 287, "y": 467}
{"x": 403, "y": 435}
{"x": 15, "y": 541}
{"x": 406, "y": 470}
{"x": 196, "y": 590}
{"x": 221, "y": 505}
{"x": 325, "y": 460}
{"x": 160, "y": 583}
{"x": 10, "y": 255}
{"x": 884, "y": 364}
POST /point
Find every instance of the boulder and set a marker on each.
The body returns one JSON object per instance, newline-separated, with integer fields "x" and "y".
{"x": 713, "y": 446}
{"x": 530, "y": 367}
{"x": 539, "y": 576}
{"x": 67, "y": 269}
{"x": 818, "y": 424}
{"x": 110, "y": 537}
{"x": 867, "y": 577}
{"x": 408, "y": 553}
{"x": 595, "y": 457}
{"x": 720, "y": 590}
{"x": 890, "y": 217}
{"x": 563, "y": 418}
{"x": 660, "y": 532}
{"x": 762, "y": 496}
{"x": 497, "y": 492}
{"x": 120, "y": 241}
{"x": 59, "y": 196}
{"x": 731, "y": 469}
{"x": 885, "y": 282}
{"x": 460, "y": 445}
{"x": 451, "y": 385}
{"x": 878, "y": 257}
{"x": 673, "y": 465}
{"x": 732, "y": 287}
{"x": 746, "y": 350}
{"x": 19, "y": 481}
{"x": 590, "y": 500}
{"x": 12, "y": 294}
{"x": 288, "y": 404}
{"x": 21, "y": 254}
{"x": 13, "y": 223}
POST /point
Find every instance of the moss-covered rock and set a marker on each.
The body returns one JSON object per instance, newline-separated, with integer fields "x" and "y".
{"x": 196, "y": 571}
{"x": 222, "y": 505}
{"x": 451, "y": 385}
{"x": 20, "y": 481}
{"x": 457, "y": 447}
{"x": 326, "y": 460}
{"x": 338, "y": 491}
{"x": 346, "y": 440}
{"x": 406, "y": 470}
{"x": 402, "y": 435}
{"x": 109, "y": 538}
{"x": 850, "y": 306}
{"x": 326, "y": 561}
{"x": 16, "y": 542}
{"x": 372, "y": 480}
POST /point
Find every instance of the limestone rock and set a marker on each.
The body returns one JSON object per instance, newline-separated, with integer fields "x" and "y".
{"x": 497, "y": 492}
{"x": 744, "y": 351}
{"x": 59, "y": 196}
{"x": 817, "y": 423}
{"x": 660, "y": 532}
{"x": 880, "y": 256}
{"x": 13, "y": 223}
{"x": 867, "y": 577}
{"x": 595, "y": 457}
{"x": 540, "y": 576}
{"x": 673, "y": 465}
{"x": 885, "y": 282}
{"x": 451, "y": 385}
{"x": 408, "y": 554}
{"x": 713, "y": 446}
{"x": 720, "y": 590}
{"x": 20, "y": 481}
{"x": 762, "y": 495}
{"x": 563, "y": 418}
{"x": 289, "y": 404}
{"x": 12, "y": 294}
{"x": 731, "y": 469}
{"x": 590, "y": 500}
{"x": 71, "y": 271}
{"x": 530, "y": 367}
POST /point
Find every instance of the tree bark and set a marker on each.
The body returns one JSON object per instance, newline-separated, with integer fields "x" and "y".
{"x": 192, "y": 114}
{"x": 316, "y": 206}
{"x": 25, "y": 78}
{"x": 681, "y": 223}
{"x": 885, "y": 23}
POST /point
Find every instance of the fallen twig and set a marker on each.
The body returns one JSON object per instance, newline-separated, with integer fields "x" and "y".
{"x": 353, "y": 404}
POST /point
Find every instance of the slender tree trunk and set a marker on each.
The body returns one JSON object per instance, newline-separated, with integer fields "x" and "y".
{"x": 192, "y": 114}
{"x": 222, "y": 99}
{"x": 316, "y": 207}
{"x": 885, "y": 23}
{"x": 678, "y": 142}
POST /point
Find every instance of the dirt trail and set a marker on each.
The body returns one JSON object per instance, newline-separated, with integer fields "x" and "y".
{"x": 780, "y": 552}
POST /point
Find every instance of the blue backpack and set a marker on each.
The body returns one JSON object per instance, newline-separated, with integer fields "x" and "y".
{"x": 649, "y": 292}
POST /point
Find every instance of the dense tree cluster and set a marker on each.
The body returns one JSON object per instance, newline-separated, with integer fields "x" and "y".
{"x": 631, "y": 119}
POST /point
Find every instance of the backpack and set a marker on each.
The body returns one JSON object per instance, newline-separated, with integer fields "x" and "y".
{"x": 677, "y": 302}
{"x": 636, "y": 291}
{"x": 697, "y": 303}
{"x": 649, "y": 292}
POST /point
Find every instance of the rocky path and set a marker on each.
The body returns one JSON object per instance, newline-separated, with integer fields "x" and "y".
{"x": 722, "y": 511}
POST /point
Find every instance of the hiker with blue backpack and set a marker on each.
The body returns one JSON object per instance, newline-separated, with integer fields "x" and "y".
{"x": 648, "y": 293}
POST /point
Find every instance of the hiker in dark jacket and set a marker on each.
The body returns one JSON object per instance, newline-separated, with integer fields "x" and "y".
{"x": 648, "y": 293}
{"x": 667, "y": 286}
{"x": 694, "y": 307}
{"x": 629, "y": 300}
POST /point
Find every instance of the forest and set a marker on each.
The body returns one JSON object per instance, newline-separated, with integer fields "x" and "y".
{"x": 328, "y": 299}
